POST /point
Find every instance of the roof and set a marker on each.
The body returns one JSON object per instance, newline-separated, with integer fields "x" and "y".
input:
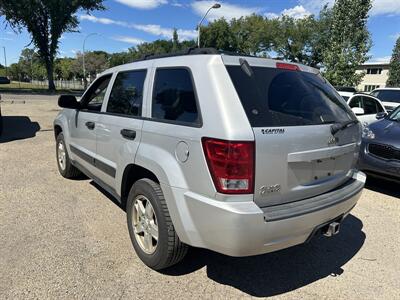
{"x": 376, "y": 63}
{"x": 230, "y": 58}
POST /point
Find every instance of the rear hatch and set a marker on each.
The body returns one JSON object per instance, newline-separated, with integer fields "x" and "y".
{"x": 291, "y": 109}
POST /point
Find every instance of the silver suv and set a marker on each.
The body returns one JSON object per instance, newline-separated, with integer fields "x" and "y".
{"x": 236, "y": 154}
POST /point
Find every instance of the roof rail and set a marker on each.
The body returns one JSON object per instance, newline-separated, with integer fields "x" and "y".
{"x": 188, "y": 51}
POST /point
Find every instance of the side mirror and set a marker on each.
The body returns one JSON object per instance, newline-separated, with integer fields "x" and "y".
{"x": 381, "y": 115}
{"x": 68, "y": 101}
{"x": 358, "y": 111}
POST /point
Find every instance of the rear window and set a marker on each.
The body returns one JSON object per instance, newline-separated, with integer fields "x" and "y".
{"x": 388, "y": 95}
{"x": 275, "y": 97}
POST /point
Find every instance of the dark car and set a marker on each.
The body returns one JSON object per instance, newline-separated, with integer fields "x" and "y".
{"x": 4, "y": 80}
{"x": 380, "y": 149}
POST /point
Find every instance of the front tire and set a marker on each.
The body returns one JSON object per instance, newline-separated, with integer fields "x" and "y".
{"x": 150, "y": 227}
{"x": 64, "y": 165}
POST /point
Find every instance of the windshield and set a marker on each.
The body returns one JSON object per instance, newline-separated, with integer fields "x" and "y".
{"x": 395, "y": 115}
{"x": 277, "y": 97}
{"x": 388, "y": 95}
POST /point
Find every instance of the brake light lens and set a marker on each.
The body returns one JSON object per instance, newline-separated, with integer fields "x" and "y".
{"x": 231, "y": 165}
{"x": 286, "y": 66}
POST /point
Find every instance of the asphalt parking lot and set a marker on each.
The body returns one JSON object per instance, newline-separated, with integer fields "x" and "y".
{"x": 68, "y": 239}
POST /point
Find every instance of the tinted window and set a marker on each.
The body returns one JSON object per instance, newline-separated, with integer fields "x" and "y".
{"x": 370, "y": 106}
{"x": 356, "y": 102}
{"x": 94, "y": 97}
{"x": 277, "y": 97}
{"x": 174, "y": 97}
{"x": 127, "y": 93}
{"x": 388, "y": 95}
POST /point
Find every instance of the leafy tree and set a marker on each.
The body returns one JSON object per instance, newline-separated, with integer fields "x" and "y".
{"x": 120, "y": 58}
{"x": 394, "y": 67}
{"x": 349, "y": 42}
{"x": 295, "y": 39}
{"x": 46, "y": 21}
{"x": 95, "y": 63}
{"x": 219, "y": 35}
{"x": 64, "y": 68}
{"x": 175, "y": 40}
{"x": 253, "y": 34}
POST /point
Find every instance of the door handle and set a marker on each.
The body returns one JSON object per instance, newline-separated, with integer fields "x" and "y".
{"x": 128, "y": 134}
{"x": 90, "y": 125}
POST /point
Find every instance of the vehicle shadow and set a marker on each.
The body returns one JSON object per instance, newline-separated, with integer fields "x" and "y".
{"x": 18, "y": 128}
{"x": 108, "y": 195}
{"x": 379, "y": 185}
{"x": 279, "y": 272}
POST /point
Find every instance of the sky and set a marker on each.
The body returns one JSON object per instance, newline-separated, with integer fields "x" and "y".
{"x": 126, "y": 23}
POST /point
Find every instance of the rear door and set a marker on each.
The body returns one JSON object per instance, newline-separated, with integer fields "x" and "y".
{"x": 120, "y": 126}
{"x": 291, "y": 112}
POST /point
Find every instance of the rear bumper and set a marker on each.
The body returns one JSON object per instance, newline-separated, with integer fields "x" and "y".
{"x": 243, "y": 229}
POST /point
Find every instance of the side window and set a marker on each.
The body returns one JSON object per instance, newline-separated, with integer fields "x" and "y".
{"x": 174, "y": 97}
{"x": 379, "y": 107}
{"x": 94, "y": 97}
{"x": 356, "y": 102}
{"x": 370, "y": 107}
{"x": 126, "y": 96}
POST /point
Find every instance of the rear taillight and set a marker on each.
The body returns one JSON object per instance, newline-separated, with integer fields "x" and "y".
{"x": 231, "y": 165}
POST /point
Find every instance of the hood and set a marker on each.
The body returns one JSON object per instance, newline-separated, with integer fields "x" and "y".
{"x": 386, "y": 132}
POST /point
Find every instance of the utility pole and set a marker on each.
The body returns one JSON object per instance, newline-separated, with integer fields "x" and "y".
{"x": 83, "y": 59}
{"x": 5, "y": 59}
{"x": 215, "y": 6}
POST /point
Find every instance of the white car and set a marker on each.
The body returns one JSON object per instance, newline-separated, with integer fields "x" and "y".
{"x": 390, "y": 97}
{"x": 345, "y": 95}
{"x": 366, "y": 107}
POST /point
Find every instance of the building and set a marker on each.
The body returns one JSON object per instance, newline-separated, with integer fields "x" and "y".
{"x": 376, "y": 75}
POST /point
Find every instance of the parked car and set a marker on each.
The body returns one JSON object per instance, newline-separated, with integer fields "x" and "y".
{"x": 345, "y": 91}
{"x": 390, "y": 97}
{"x": 380, "y": 148}
{"x": 366, "y": 107}
{"x": 4, "y": 80}
{"x": 236, "y": 154}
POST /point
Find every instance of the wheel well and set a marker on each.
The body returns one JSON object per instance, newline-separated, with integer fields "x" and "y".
{"x": 133, "y": 173}
{"x": 57, "y": 130}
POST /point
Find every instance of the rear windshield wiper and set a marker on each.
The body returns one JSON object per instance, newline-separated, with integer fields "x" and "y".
{"x": 335, "y": 128}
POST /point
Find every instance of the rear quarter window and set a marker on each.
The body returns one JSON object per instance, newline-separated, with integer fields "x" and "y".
{"x": 276, "y": 98}
{"x": 174, "y": 97}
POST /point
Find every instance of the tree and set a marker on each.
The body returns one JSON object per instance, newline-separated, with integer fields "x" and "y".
{"x": 175, "y": 40}
{"x": 394, "y": 67}
{"x": 95, "y": 63}
{"x": 253, "y": 34}
{"x": 349, "y": 42}
{"x": 219, "y": 35}
{"x": 46, "y": 21}
{"x": 63, "y": 67}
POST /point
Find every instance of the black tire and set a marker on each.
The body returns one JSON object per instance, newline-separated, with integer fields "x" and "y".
{"x": 169, "y": 250}
{"x": 69, "y": 171}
